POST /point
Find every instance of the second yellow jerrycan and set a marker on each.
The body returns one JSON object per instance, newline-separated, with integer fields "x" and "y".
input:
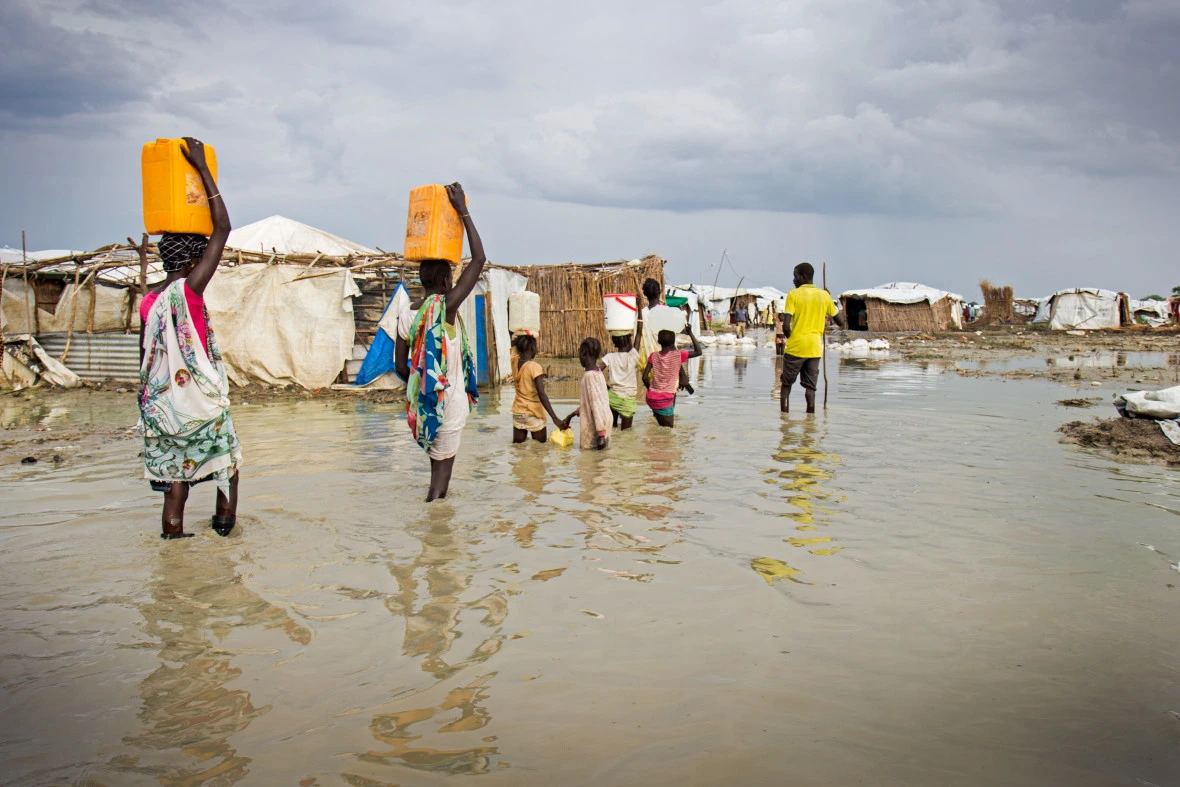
{"x": 174, "y": 199}
{"x": 433, "y": 228}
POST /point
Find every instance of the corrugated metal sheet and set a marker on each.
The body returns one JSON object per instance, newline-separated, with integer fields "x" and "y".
{"x": 97, "y": 356}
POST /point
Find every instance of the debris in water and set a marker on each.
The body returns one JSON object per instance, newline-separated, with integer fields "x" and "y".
{"x": 802, "y": 542}
{"x": 591, "y": 613}
{"x": 29, "y": 460}
{"x": 547, "y": 574}
{"x": 773, "y": 570}
{"x": 1076, "y": 403}
{"x": 828, "y": 551}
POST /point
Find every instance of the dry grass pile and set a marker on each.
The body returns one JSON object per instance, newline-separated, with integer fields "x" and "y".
{"x": 1135, "y": 439}
{"x": 997, "y": 304}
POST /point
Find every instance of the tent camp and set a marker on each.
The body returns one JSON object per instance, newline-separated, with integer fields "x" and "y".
{"x": 301, "y": 317}
{"x": 713, "y": 304}
{"x": 903, "y": 306}
{"x": 1087, "y": 308}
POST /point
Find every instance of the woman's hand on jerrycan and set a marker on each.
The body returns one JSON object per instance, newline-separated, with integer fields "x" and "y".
{"x": 194, "y": 152}
{"x": 458, "y": 198}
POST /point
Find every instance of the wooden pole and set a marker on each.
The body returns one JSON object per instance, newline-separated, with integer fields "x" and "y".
{"x": 826, "y": 342}
{"x": 30, "y": 316}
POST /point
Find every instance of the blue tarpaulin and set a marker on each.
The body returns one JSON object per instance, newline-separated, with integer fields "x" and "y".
{"x": 379, "y": 359}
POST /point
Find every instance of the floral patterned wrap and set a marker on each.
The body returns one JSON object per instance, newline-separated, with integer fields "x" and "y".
{"x": 188, "y": 434}
{"x": 427, "y": 388}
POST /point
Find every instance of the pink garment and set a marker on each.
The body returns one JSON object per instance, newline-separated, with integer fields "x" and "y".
{"x": 593, "y": 409}
{"x": 196, "y": 308}
{"x": 665, "y": 370}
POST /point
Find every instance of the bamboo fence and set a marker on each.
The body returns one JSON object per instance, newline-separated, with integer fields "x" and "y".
{"x": 571, "y": 298}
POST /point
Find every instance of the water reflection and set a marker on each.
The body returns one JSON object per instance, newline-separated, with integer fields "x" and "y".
{"x": 807, "y": 469}
{"x": 188, "y": 707}
{"x": 431, "y": 601}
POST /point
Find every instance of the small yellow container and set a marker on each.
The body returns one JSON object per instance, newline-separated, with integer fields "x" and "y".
{"x": 433, "y": 228}
{"x": 562, "y": 437}
{"x": 174, "y": 199}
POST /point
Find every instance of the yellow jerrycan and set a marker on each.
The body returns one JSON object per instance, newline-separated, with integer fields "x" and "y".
{"x": 434, "y": 230}
{"x": 174, "y": 199}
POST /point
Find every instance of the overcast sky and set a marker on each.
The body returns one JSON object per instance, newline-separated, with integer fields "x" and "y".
{"x": 1033, "y": 142}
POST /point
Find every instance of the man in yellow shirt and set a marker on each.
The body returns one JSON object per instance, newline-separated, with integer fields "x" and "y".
{"x": 806, "y": 313}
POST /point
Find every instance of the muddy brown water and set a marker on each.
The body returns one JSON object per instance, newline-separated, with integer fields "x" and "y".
{"x": 919, "y": 587}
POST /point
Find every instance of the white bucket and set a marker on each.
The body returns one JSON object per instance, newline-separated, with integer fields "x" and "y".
{"x": 524, "y": 312}
{"x": 666, "y": 318}
{"x": 620, "y": 311}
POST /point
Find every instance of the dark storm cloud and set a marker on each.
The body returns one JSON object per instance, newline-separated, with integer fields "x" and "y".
{"x": 48, "y": 70}
{"x": 935, "y": 139}
{"x": 899, "y": 108}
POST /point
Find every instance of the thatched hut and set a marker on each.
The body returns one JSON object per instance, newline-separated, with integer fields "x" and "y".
{"x": 903, "y": 306}
{"x": 571, "y": 298}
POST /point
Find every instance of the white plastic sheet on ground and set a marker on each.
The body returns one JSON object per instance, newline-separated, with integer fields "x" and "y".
{"x": 23, "y": 362}
{"x": 278, "y": 331}
{"x": 1161, "y": 404}
{"x": 1090, "y": 309}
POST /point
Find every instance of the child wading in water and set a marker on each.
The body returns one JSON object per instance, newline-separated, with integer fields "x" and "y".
{"x": 662, "y": 376}
{"x": 622, "y": 382}
{"x": 594, "y": 407}
{"x": 531, "y": 403}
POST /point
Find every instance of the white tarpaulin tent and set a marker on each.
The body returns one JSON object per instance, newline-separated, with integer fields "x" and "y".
{"x": 1085, "y": 308}
{"x": 500, "y": 284}
{"x": 278, "y": 331}
{"x": 1152, "y": 312}
{"x": 280, "y": 235}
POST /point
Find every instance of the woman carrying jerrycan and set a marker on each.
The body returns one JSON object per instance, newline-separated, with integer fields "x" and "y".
{"x": 434, "y": 358}
{"x": 188, "y": 435}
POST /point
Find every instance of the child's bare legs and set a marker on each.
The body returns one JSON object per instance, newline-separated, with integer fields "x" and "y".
{"x": 540, "y": 435}
{"x": 618, "y": 418}
{"x": 440, "y": 478}
{"x": 519, "y": 435}
{"x": 172, "y": 519}
{"x": 666, "y": 420}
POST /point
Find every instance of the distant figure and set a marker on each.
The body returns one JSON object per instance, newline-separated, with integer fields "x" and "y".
{"x": 531, "y": 404}
{"x": 434, "y": 358}
{"x": 662, "y": 375}
{"x": 622, "y": 380}
{"x": 188, "y": 435}
{"x": 804, "y": 321}
{"x": 780, "y": 338}
{"x": 741, "y": 318}
{"x": 593, "y": 404}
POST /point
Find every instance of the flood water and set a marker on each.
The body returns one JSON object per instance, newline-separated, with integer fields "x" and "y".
{"x": 919, "y": 587}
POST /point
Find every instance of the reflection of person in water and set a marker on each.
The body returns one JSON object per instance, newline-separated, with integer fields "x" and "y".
{"x": 432, "y": 626}
{"x": 808, "y": 468}
{"x": 188, "y": 709}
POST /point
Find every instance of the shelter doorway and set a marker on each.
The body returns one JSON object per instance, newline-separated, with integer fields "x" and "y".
{"x": 858, "y": 314}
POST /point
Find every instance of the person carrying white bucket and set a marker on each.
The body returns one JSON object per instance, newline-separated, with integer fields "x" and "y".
{"x": 625, "y": 325}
